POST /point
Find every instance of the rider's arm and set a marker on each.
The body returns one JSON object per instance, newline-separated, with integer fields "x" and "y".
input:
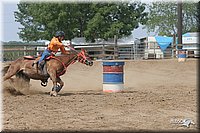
{"x": 63, "y": 50}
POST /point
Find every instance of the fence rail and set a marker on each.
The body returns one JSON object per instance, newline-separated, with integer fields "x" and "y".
{"x": 105, "y": 51}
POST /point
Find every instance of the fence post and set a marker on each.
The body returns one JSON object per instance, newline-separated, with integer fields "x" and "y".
{"x": 103, "y": 51}
{"x": 174, "y": 46}
{"x": 36, "y": 51}
{"x": 154, "y": 54}
{"x": 24, "y": 50}
{"x": 132, "y": 50}
{"x": 115, "y": 48}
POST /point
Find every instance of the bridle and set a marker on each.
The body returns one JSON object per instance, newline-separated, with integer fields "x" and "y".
{"x": 81, "y": 56}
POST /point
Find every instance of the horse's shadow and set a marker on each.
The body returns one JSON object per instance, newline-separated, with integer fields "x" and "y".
{"x": 78, "y": 93}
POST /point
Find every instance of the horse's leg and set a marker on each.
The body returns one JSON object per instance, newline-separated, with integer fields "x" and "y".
{"x": 5, "y": 69}
{"x": 12, "y": 70}
{"x": 52, "y": 74}
{"x": 61, "y": 84}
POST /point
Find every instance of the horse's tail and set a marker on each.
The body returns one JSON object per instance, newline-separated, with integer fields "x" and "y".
{"x": 11, "y": 68}
{"x": 5, "y": 68}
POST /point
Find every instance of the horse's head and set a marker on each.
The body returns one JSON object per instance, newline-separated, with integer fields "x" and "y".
{"x": 84, "y": 58}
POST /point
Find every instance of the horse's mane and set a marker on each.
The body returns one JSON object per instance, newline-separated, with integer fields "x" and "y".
{"x": 70, "y": 54}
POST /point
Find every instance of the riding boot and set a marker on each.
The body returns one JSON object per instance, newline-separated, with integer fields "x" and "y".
{"x": 41, "y": 65}
{"x": 45, "y": 70}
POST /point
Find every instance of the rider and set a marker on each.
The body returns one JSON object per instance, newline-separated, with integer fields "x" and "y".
{"x": 53, "y": 47}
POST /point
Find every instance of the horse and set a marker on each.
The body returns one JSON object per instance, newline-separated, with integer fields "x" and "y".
{"x": 55, "y": 67}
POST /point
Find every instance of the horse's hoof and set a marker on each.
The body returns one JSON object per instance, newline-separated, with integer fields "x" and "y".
{"x": 53, "y": 93}
{"x": 44, "y": 84}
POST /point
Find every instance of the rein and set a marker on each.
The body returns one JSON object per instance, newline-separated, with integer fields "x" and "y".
{"x": 64, "y": 65}
{"x": 80, "y": 54}
{"x": 72, "y": 49}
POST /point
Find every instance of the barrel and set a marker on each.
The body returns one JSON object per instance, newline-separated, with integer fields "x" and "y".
{"x": 181, "y": 55}
{"x": 113, "y": 76}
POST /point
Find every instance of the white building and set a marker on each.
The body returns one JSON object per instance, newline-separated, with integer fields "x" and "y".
{"x": 153, "y": 46}
{"x": 191, "y": 44}
{"x": 151, "y": 49}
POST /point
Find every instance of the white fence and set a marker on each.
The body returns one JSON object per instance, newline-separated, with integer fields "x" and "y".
{"x": 108, "y": 51}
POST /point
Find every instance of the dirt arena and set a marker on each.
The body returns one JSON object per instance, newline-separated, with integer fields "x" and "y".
{"x": 158, "y": 94}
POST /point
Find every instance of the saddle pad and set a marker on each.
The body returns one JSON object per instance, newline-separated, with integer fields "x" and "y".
{"x": 29, "y": 57}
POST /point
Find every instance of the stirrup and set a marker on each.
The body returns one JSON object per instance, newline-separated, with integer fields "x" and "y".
{"x": 35, "y": 62}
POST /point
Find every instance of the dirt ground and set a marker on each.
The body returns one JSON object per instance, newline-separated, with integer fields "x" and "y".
{"x": 157, "y": 95}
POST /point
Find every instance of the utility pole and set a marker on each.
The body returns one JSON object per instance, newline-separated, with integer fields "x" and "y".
{"x": 180, "y": 25}
{"x": 181, "y": 52}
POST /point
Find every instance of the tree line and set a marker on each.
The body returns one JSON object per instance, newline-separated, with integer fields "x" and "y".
{"x": 41, "y": 20}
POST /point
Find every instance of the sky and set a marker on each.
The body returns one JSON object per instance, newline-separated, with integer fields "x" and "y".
{"x": 10, "y": 28}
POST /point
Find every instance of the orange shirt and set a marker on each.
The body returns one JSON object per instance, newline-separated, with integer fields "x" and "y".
{"x": 55, "y": 45}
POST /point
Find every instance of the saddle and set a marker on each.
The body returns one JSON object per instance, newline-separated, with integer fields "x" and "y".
{"x": 42, "y": 67}
{"x": 28, "y": 57}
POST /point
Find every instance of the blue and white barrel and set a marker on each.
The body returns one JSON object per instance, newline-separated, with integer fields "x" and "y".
{"x": 113, "y": 76}
{"x": 181, "y": 55}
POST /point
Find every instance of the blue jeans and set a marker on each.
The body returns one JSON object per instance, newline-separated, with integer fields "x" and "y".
{"x": 45, "y": 54}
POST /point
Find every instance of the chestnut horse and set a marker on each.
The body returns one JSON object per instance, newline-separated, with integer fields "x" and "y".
{"x": 55, "y": 67}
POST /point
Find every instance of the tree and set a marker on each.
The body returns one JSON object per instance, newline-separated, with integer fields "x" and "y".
{"x": 90, "y": 20}
{"x": 162, "y": 18}
{"x": 115, "y": 19}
